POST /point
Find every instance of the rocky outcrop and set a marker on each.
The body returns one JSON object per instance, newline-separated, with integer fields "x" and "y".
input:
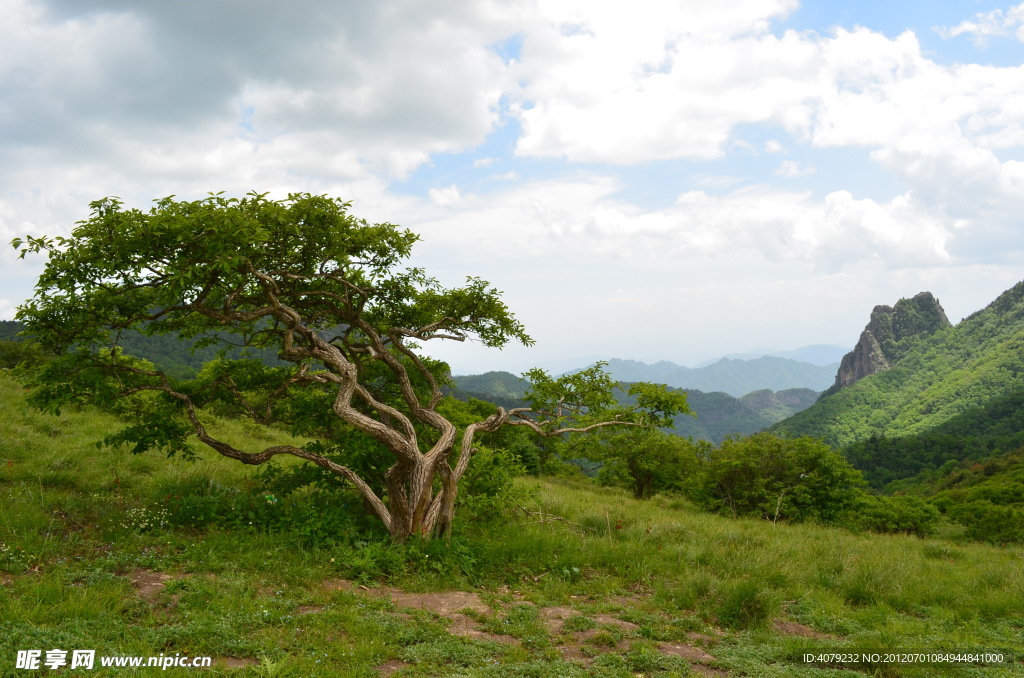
{"x": 888, "y": 336}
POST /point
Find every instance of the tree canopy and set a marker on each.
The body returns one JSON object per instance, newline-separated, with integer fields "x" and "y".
{"x": 331, "y": 294}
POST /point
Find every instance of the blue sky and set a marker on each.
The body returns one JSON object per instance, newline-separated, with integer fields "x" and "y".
{"x": 663, "y": 180}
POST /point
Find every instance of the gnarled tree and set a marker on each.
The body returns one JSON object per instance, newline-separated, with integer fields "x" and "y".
{"x": 328, "y": 291}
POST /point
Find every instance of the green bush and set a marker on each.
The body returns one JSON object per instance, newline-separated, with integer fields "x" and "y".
{"x": 990, "y": 522}
{"x": 746, "y": 604}
{"x": 488, "y": 489}
{"x": 314, "y": 516}
{"x": 892, "y": 515}
{"x": 779, "y": 479}
{"x": 644, "y": 461}
{"x": 15, "y": 353}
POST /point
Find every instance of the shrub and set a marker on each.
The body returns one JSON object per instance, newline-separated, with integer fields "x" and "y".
{"x": 15, "y": 353}
{"x": 990, "y": 522}
{"x": 892, "y": 515}
{"x": 488, "y": 490}
{"x": 779, "y": 479}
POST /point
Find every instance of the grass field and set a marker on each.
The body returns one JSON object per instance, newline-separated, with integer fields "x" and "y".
{"x": 95, "y": 554}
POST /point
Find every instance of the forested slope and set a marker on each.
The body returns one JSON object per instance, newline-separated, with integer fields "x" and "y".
{"x": 941, "y": 376}
{"x": 973, "y": 436}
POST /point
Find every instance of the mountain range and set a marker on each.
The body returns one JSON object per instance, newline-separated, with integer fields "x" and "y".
{"x": 718, "y": 414}
{"x": 733, "y": 376}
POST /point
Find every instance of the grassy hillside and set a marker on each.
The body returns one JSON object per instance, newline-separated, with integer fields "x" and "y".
{"x": 942, "y": 376}
{"x": 141, "y": 555}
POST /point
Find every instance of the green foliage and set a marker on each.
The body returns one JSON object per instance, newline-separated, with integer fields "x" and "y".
{"x": 646, "y": 461}
{"x": 372, "y": 560}
{"x": 652, "y": 459}
{"x": 572, "y": 399}
{"x": 893, "y": 515}
{"x": 747, "y": 603}
{"x": 489, "y": 492}
{"x": 976, "y": 434}
{"x": 659, "y": 405}
{"x": 20, "y": 353}
{"x": 990, "y": 522}
{"x": 987, "y": 497}
{"x": 319, "y": 516}
{"x": 779, "y": 479}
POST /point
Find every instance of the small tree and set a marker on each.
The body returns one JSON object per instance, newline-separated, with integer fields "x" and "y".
{"x": 326, "y": 290}
{"x": 647, "y": 459}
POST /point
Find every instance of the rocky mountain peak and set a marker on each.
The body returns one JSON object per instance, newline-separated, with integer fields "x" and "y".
{"x": 888, "y": 335}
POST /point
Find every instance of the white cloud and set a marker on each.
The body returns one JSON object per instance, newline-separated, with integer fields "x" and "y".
{"x": 445, "y": 197}
{"x": 583, "y": 216}
{"x": 658, "y": 80}
{"x": 626, "y": 91}
{"x": 793, "y": 169}
{"x": 132, "y": 82}
{"x": 996, "y": 23}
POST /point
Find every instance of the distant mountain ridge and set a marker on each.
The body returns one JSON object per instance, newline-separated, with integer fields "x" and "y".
{"x": 815, "y": 354}
{"x": 732, "y": 376}
{"x": 718, "y": 414}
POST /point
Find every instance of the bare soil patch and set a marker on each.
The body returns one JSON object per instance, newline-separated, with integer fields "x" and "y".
{"x": 445, "y": 603}
{"x": 449, "y": 604}
{"x": 234, "y": 662}
{"x": 554, "y": 618}
{"x": 391, "y": 666}
{"x": 338, "y": 585}
{"x": 701, "y": 637}
{"x": 593, "y": 638}
{"x": 796, "y": 629}
{"x": 148, "y": 583}
{"x": 467, "y": 627}
{"x": 614, "y": 621}
{"x": 690, "y": 653}
{"x": 574, "y": 653}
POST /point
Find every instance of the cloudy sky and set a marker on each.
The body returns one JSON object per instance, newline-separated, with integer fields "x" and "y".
{"x": 655, "y": 180}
